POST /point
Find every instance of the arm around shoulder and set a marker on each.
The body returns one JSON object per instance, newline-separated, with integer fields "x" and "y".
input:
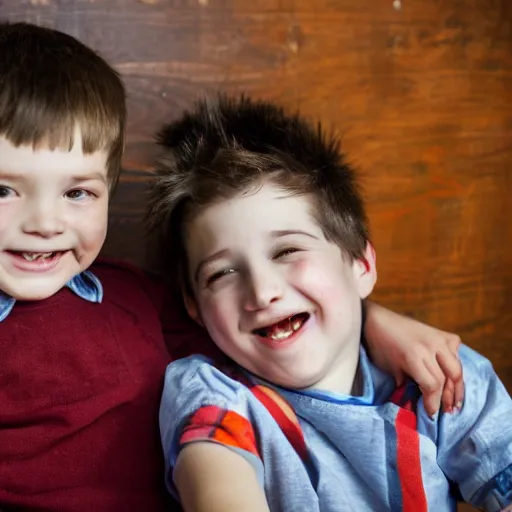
{"x": 212, "y": 478}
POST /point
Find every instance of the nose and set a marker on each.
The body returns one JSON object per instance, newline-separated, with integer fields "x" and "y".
{"x": 264, "y": 286}
{"x": 43, "y": 219}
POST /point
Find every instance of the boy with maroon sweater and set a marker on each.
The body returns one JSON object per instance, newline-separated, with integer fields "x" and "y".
{"x": 82, "y": 343}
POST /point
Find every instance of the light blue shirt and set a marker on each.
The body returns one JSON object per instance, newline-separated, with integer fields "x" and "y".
{"x": 86, "y": 285}
{"x": 372, "y": 452}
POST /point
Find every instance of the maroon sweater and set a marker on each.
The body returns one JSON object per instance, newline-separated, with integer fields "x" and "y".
{"x": 80, "y": 385}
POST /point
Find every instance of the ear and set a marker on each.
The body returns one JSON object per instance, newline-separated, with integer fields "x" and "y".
{"x": 192, "y": 309}
{"x": 365, "y": 271}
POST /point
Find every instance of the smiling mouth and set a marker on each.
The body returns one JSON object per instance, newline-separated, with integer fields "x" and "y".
{"x": 32, "y": 256}
{"x": 283, "y": 329}
{"x": 36, "y": 256}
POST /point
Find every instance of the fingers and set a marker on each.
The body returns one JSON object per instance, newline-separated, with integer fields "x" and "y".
{"x": 459, "y": 393}
{"x": 448, "y": 396}
{"x": 434, "y": 388}
{"x": 448, "y": 357}
{"x": 432, "y": 372}
{"x": 399, "y": 377}
{"x": 427, "y": 374}
{"x": 454, "y": 343}
{"x": 451, "y": 366}
{"x": 431, "y": 402}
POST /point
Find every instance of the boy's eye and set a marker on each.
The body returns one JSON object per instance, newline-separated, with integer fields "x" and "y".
{"x": 6, "y": 192}
{"x": 285, "y": 252}
{"x": 217, "y": 275}
{"x": 78, "y": 194}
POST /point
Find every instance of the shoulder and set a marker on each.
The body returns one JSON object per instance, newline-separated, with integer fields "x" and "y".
{"x": 476, "y": 367}
{"x": 485, "y": 395}
{"x": 195, "y": 384}
{"x": 484, "y": 417}
{"x": 195, "y": 381}
{"x": 475, "y": 444}
{"x": 202, "y": 404}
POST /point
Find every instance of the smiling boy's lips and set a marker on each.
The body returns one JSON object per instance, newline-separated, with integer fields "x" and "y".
{"x": 37, "y": 265}
{"x": 282, "y": 330}
{"x": 265, "y": 323}
{"x": 36, "y": 251}
{"x": 290, "y": 322}
{"x": 282, "y": 339}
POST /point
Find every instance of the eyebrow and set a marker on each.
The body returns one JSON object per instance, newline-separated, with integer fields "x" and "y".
{"x": 10, "y": 177}
{"x": 285, "y": 232}
{"x": 82, "y": 177}
{"x": 89, "y": 177}
{"x": 212, "y": 257}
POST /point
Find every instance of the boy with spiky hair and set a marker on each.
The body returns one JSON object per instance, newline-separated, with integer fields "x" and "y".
{"x": 274, "y": 256}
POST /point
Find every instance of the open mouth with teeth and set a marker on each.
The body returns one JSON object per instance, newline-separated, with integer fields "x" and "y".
{"x": 283, "y": 329}
{"x": 35, "y": 256}
{"x": 32, "y": 256}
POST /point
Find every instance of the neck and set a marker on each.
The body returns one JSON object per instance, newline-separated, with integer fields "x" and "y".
{"x": 341, "y": 379}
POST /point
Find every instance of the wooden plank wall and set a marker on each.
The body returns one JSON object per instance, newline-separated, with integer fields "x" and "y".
{"x": 420, "y": 90}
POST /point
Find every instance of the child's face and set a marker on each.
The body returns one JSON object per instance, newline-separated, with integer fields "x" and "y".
{"x": 274, "y": 294}
{"x": 53, "y": 216}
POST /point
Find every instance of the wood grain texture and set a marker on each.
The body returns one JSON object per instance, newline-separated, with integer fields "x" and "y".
{"x": 422, "y": 96}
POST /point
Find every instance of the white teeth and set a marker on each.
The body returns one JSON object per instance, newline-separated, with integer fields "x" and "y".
{"x": 282, "y": 335}
{"x": 31, "y": 256}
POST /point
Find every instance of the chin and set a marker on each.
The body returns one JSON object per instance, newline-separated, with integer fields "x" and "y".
{"x": 42, "y": 295}
{"x": 36, "y": 292}
{"x": 297, "y": 383}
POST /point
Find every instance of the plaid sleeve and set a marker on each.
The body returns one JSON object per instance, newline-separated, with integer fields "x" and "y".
{"x": 202, "y": 404}
{"x": 212, "y": 423}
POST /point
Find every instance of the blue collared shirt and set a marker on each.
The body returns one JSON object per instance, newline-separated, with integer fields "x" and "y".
{"x": 86, "y": 285}
{"x": 362, "y": 453}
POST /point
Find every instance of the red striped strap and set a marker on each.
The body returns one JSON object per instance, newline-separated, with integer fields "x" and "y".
{"x": 408, "y": 456}
{"x": 280, "y": 410}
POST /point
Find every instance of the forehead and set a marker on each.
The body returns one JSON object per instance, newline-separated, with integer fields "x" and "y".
{"x": 250, "y": 214}
{"x": 26, "y": 159}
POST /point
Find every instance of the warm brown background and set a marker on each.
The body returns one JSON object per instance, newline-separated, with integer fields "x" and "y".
{"x": 421, "y": 91}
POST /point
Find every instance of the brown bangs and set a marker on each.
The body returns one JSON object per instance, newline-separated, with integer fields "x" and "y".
{"x": 50, "y": 85}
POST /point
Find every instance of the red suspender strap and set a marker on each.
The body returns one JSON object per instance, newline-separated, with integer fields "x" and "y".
{"x": 279, "y": 409}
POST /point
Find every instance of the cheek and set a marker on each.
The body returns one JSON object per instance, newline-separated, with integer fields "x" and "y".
{"x": 10, "y": 214}
{"x": 329, "y": 283}
{"x": 91, "y": 226}
{"x": 316, "y": 279}
{"x": 218, "y": 315}
{"x": 5, "y": 220}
